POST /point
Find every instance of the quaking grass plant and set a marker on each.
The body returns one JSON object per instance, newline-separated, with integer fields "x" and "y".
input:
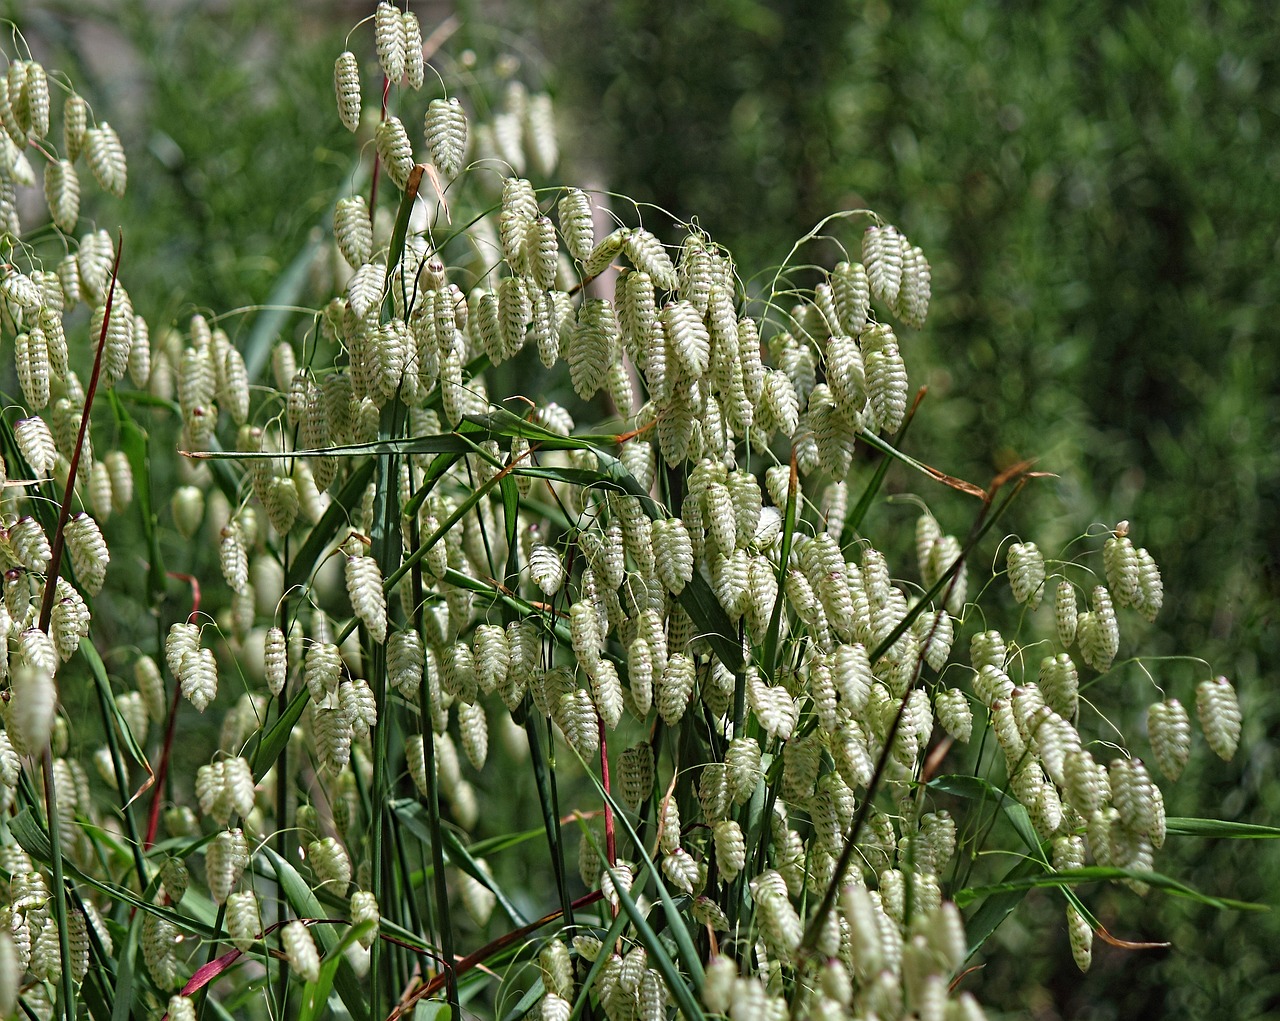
{"x": 743, "y": 732}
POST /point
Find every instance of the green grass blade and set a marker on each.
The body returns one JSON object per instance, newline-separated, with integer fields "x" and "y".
{"x": 334, "y": 519}
{"x": 304, "y": 904}
{"x": 414, "y": 817}
{"x": 998, "y": 906}
{"x": 273, "y": 742}
{"x": 1221, "y": 829}
{"x": 315, "y": 996}
{"x": 690, "y": 956}
{"x": 1100, "y": 874}
{"x": 975, "y": 788}
{"x": 658, "y": 956}
{"x": 271, "y": 322}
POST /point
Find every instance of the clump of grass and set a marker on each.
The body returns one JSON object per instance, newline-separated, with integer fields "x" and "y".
{"x": 742, "y": 734}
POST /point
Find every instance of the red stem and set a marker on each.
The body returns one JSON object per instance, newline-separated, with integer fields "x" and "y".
{"x": 153, "y": 819}
{"x": 610, "y": 836}
{"x": 64, "y": 511}
{"x": 488, "y": 950}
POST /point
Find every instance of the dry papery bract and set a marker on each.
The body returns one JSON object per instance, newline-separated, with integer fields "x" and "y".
{"x": 405, "y": 570}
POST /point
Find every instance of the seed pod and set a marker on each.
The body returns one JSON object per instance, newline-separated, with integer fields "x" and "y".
{"x": 94, "y": 263}
{"x": 1065, "y": 612}
{"x": 31, "y": 353}
{"x": 36, "y": 99}
{"x": 445, "y": 128}
{"x": 160, "y": 941}
{"x": 585, "y": 632}
{"x": 233, "y": 559}
{"x": 50, "y": 322}
{"x": 882, "y": 256}
{"x": 405, "y": 662}
{"x": 492, "y": 656}
{"x": 987, "y": 648}
{"x": 575, "y": 714}
{"x": 29, "y": 544}
{"x": 649, "y": 256}
{"x": 540, "y": 242}
{"x": 1080, "y": 934}
{"x": 953, "y": 712}
{"x": 35, "y": 443}
{"x": 225, "y": 861}
{"x": 394, "y": 149}
{"x": 731, "y": 852}
{"x": 1169, "y": 729}
{"x": 331, "y": 863}
{"x": 539, "y": 131}
{"x": 106, "y": 159}
{"x": 32, "y": 705}
{"x": 1120, "y": 562}
{"x": 150, "y": 685}
{"x": 1026, "y": 573}
{"x": 183, "y": 638}
{"x": 13, "y": 105}
{"x": 120, "y": 473}
{"x": 606, "y": 692}
{"x": 389, "y": 38}
{"x": 69, "y": 622}
{"x": 62, "y": 194}
{"x": 357, "y": 702}
{"x": 673, "y": 553}
{"x": 88, "y": 549}
{"x": 414, "y": 67}
{"x": 364, "y": 908}
{"x": 353, "y": 230}
{"x": 275, "y": 658}
{"x": 576, "y": 225}
{"x": 364, "y": 589}
{"x": 299, "y": 947}
{"x": 886, "y": 376}
{"x": 1219, "y": 713}
{"x": 635, "y": 768}
{"x": 592, "y": 346}
{"x": 199, "y": 678}
{"x": 557, "y": 968}
{"x": 118, "y": 341}
{"x": 473, "y": 727}
{"x": 1086, "y": 786}
{"x": 323, "y": 670}
{"x": 244, "y": 921}
{"x": 602, "y": 255}
{"x": 675, "y": 688}
{"x": 515, "y": 309}
{"x": 332, "y": 730}
{"x": 851, "y": 293}
{"x": 1098, "y": 632}
{"x": 457, "y": 672}
{"x": 75, "y": 121}
{"x": 1060, "y": 684}
{"x": 346, "y": 83}
{"x": 916, "y": 288}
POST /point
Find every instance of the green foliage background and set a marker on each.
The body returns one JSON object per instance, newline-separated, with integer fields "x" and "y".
{"x": 1095, "y": 184}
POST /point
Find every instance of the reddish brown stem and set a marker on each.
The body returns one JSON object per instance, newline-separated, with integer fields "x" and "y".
{"x": 153, "y": 819}
{"x": 610, "y": 836}
{"x": 436, "y": 983}
{"x": 64, "y": 511}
